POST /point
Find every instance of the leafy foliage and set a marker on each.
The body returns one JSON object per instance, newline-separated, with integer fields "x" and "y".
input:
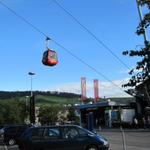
{"x": 14, "y": 106}
{"x": 48, "y": 114}
{"x": 12, "y": 112}
{"x": 72, "y": 115}
{"x": 142, "y": 69}
{"x": 145, "y": 2}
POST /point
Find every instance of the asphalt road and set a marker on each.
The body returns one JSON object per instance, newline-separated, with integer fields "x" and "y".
{"x": 134, "y": 140}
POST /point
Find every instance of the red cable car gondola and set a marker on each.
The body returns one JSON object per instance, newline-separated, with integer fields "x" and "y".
{"x": 49, "y": 56}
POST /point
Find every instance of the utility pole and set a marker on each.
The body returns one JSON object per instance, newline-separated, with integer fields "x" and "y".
{"x": 141, "y": 19}
{"x": 31, "y": 74}
{"x": 32, "y": 109}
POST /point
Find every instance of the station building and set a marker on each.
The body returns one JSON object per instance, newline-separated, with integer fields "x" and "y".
{"x": 108, "y": 113}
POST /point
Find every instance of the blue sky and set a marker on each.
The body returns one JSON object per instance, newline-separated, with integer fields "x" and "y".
{"x": 21, "y": 46}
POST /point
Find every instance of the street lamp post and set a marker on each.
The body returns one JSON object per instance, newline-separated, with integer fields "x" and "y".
{"x": 32, "y": 102}
{"x": 31, "y": 74}
{"x": 27, "y": 110}
{"x": 27, "y": 103}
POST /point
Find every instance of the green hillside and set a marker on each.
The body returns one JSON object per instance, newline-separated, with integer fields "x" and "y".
{"x": 46, "y": 100}
{"x": 54, "y": 100}
{"x": 41, "y": 97}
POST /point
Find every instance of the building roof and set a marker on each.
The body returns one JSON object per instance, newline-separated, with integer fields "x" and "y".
{"x": 100, "y": 104}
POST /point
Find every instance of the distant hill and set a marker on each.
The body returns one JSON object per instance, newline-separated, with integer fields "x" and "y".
{"x": 55, "y": 100}
{"x": 13, "y": 94}
{"x": 42, "y": 97}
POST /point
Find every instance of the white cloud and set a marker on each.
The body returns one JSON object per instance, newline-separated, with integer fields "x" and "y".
{"x": 106, "y": 89}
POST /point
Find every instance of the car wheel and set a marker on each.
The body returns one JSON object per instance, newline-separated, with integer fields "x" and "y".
{"x": 11, "y": 142}
{"x": 92, "y": 147}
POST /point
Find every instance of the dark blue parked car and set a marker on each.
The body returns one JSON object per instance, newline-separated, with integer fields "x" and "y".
{"x": 66, "y": 137}
{"x": 12, "y": 133}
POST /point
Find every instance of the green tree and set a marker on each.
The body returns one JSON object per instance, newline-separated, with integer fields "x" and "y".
{"x": 2, "y": 112}
{"x": 142, "y": 69}
{"x": 12, "y": 112}
{"x": 72, "y": 115}
{"x": 48, "y": 114}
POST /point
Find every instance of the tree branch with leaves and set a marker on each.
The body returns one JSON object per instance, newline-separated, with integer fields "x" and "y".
{"x": 142, "y": 69}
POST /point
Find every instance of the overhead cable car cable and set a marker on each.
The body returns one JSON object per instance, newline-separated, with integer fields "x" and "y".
{"x": 89, "y": 66}
{"x": 73, "y": 55}
{"x": 91, "y": 33}
{"x": 23, "y": 19}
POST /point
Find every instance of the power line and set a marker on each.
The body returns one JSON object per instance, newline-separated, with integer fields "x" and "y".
{"x": 91, "y": 33}
{"x": 83, "y": 62}
{"x": 45, "y": 35}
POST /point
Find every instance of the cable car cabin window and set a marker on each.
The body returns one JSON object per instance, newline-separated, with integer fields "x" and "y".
{"x": 52, "y": 55}
{"x": 45, "y": 54}
{"x": 44, "y": 57}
